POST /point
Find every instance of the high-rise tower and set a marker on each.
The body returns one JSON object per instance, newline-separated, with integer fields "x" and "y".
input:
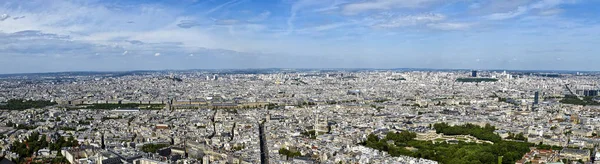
{"x": 264, "y": 149}
{"x": 102, "y": 140}
{"x": 536, "y": 98}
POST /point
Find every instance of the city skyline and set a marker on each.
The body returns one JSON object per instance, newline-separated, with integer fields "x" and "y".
{"x": 59, "y": 36}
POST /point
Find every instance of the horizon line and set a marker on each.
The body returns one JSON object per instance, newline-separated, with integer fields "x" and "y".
{"x": 216, "y": 69}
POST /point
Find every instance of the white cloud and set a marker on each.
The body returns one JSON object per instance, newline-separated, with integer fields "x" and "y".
{"x": 500, "y": 6}
{"x": 449, "y": 26}
{"x": 335, "y": 5}
{"x": 325, "y": 27}
{"x": 217, "y": 8}
{"x": 395, "y": 21}
{"x": 191, "y": 54}
{"x": 187, "y": 23}
{"x": 20, "y": 17}
{"x": 550, "y": 12}
{"x": 228, "y": 22}
{"x": 521, "y": 10}
{"x": 363, "y": 6}
{"x": 4, "y": 17}
{"x": 26, "y": 43}
{"x": 157, "y": 54}
{"x": 507, "y": 15}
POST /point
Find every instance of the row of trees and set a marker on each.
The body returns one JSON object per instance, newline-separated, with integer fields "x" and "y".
{"x": 477, "y": 80}
{"x": 84, "y": 122}
{"x": 570, "y": 99}
{"x": 20, "y": 104}
{"x": 312, "y": 134}
{"x": 112, "y": 106}
{"x": 153, "y": 148}
{"x": 519, "y": 136}
{"x": 66, "y": 128}
{"x": 404, "y": 144}
{"x": 482, "y": 133}
{"x": 20, "y": 126}
{"x": 288, "y": 153}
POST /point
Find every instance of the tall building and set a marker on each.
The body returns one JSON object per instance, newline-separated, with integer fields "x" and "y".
{"x": 264, "y": 151}
{"x": 102, "y": 140}
{"x": 473, "y": 73}
{"x": 536, "y": 98}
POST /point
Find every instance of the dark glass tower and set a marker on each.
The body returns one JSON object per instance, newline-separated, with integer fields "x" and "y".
{"x": 264, "y": 151}
{"x": 536, "y": 98}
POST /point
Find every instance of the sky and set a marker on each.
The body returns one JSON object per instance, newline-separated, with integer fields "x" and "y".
{"x": 121, "y": 35}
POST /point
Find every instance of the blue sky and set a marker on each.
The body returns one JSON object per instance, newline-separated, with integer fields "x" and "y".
{"x": 118, "y": 35}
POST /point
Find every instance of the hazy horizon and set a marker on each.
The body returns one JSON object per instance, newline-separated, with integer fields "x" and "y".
{"x": 94, "y": 35}
{"x": 302, "y": 69}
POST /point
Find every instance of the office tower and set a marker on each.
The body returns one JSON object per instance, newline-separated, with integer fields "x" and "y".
{"x": 264, "y": 151}
{"x": 536, "y": 98}
{"x": 102, "y": 144}
{"x": 473, "y": 73}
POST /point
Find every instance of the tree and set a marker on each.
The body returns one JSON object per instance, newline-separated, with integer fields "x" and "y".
{"x": 442, "y": 152}
{"x": 288, "y": 153}
{"x": 372, "y": 138}
{"x": 10, "y": 124}
{"x": 20, "y": 104}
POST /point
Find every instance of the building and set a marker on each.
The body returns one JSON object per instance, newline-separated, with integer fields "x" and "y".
{"x": 264, "y": 149}
{"x": 353, "y": 92}
{"x": 536, "y": 98}
{"x": 147, "y": 161}
{"x": 590, "y": 92}
{"x": 162, "y": 126}
{"x": 587, "y": 92}
{"x": 575, "y": 154}
{"x": 473, "y": 73}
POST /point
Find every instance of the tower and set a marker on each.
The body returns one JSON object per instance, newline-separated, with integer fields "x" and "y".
{"x": 473, "y": 73}
{"x": 264, "y": 150}
{"x": 536, "y": 98}
{"x": 102, "y": 140}
{"x": 185, "y": 154}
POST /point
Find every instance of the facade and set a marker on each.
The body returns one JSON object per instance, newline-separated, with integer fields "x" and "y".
{"x": 575, "y": 154}
{"x": 147, "y": 161}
